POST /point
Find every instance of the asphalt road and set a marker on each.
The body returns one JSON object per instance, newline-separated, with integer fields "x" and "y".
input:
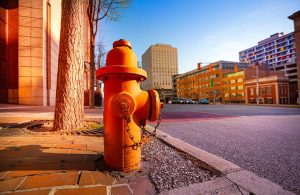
{"x": 265, "y": 140}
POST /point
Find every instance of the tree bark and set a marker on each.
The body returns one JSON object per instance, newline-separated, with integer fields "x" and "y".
{"x": 69, "y": 108}
{"x": 92, "y": 74}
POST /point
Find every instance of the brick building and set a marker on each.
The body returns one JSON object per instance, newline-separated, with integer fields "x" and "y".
{"x": 29, "y": 47}
{"x": 225, "y": 82}
{"x": 240, "y": 86}
{"x": 272, "y": 90}
{"x": 233, "y": 86}
{"x": 206, "y": 82}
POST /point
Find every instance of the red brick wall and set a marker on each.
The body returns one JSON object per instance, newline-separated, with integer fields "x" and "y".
{"x": 264, "y": 96}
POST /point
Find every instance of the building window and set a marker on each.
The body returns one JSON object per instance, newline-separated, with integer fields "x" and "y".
{"x": 240, "y": 94}
{"x": 262, "y": 91}
{"x": 269, "y": 101}
{"x": 240, "y": 87}
{"x": 269, "y": 90}
{"x": 252, "y": 91}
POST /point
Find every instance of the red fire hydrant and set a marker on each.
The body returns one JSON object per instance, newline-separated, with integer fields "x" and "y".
{"x": 126, "y": 107}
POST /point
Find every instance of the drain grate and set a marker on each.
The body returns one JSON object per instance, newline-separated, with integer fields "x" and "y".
{"x": 93, "y": 132}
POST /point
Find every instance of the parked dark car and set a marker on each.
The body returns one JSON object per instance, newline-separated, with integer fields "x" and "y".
{"x": 189, "y": 101}
{"x": 184, "y": 101}
{"x": 177, "y": 101}
{"x": 203, "y": 101}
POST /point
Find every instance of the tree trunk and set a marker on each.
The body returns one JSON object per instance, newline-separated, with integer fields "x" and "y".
{"x": 92, "y": 74}
{"x": 69, "y": 108}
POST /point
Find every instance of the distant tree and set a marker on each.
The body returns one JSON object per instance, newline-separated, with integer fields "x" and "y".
{"x": 98, "y": 10}
{"x": 69, "y": 108}
{"x": 100, "y": 55}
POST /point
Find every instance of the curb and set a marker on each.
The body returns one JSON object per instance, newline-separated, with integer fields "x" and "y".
{"x": 269, "y": 105}
{"x": 233, "y": 180}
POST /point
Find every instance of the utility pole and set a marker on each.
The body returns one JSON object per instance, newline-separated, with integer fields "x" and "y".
{"x": 257, "y": 85}
{"x": 214, "y": 92}
{"x": 212, "y": 87}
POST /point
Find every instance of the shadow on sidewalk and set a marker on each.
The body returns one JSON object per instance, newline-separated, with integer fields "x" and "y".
{"x": 37, "y": 157}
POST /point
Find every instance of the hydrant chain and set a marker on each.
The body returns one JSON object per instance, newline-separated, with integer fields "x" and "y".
{"x": 157, "y": 124}
{"x": 126, "y": 116}
{"x": 135, "y": 144}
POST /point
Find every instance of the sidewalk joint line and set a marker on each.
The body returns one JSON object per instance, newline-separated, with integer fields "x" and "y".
{"x": 52, "y": 191}
{"x": 21, "y": 183}
{"x": 4, "y": 175}
{"x": 78, "y": 177}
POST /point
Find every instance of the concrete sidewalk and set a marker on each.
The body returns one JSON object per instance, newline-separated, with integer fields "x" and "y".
{"x": 70, "y": 165}
{"x": 57, "y": 165}
{"x": 13, "y": 114}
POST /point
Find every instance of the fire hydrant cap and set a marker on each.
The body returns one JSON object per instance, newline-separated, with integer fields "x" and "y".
{"x": 121, "y": 60}
{"x": 121, "y": 54}
{"x": 121, "y": 42}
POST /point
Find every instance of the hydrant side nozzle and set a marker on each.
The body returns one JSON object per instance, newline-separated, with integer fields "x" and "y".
{"x": 154, "y": 105}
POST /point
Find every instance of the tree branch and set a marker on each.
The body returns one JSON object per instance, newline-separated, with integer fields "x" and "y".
{"x": 107, "y": 11}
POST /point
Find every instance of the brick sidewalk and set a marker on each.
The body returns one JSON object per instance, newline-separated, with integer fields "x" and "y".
{"x": 58, "y": 165}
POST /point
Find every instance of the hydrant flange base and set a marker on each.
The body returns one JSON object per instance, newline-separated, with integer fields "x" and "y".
{"x": 134, "y": 73}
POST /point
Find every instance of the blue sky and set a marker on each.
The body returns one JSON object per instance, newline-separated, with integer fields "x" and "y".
{"x": 205, "y": 31}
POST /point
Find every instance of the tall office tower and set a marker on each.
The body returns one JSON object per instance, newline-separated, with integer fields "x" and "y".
{"x": 279, "y": 52}
{"x": 160, "y": 61}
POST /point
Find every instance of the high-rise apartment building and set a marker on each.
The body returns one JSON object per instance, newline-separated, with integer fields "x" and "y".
{"x": 279, "y": 52}
{"x": 160, "y": 62}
